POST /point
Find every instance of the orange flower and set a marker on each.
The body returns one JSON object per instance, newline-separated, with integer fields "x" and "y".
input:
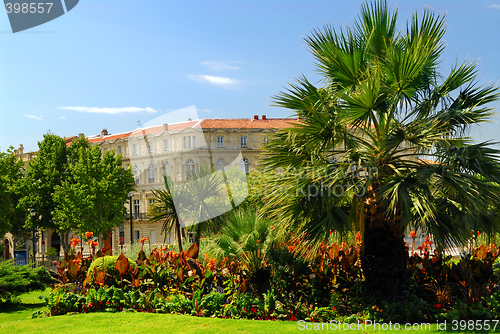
{"x": 413, "y": 234}
{"x": 143, "y": 240}
{"x": 74, "y": 242}
{"x": 92, "y": 243}
{"x": 88, "y": 234}
{"x": 77, "y": 260}
{"x": 291, "y": 248}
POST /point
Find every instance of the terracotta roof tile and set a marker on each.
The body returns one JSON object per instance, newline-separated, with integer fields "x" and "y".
{"x": 211, "y": 123}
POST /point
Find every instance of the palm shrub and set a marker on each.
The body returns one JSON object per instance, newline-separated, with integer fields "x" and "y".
{"x": 387, "y": 131}
{"x": 245, "y": 236}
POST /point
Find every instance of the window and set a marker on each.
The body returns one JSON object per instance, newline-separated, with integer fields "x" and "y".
{"x": 151, "y": 201}
{"x": 189, "y": 166}
{"x": 152, "y": 236}
{"x": 244, "y": 166}
{"x": 136, "y": 236}
{"x": 135, "y": 171}
{"x": 165, "y": 144}
{"x": 135, "y": 148}
{"x": 120, "y": 149}
{"x": 151, "y": 174}
{"x": 243, "y": 141}
{"x": 136, "y": 208}
{"x": 150, "y": 147}
{"x": 194, "y": 141}
{"x": 221, "y": 164}
{"x": 187, "y": 141}
{"x": 265, "y": 140}
{"x": 168, "y": 171}
{"x": 220, "y": 141}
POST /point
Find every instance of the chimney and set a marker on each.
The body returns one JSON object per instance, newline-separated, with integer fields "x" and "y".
{"x": 21, "y": 149}
{"x": 165, "y": 127}
{"x": 189, "y": 119}
{"x": 264, "y": 117}
{"x": 255, "y": 116}
{"x": 104, "y": 132}
{"x": 81, "y": 134}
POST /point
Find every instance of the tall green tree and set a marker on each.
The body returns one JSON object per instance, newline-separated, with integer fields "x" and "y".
{"x": 14, "y": 215}
{"x": 389, "y": 130}
{"x": 46, "y": 171}
{"x": 93, "y": 193}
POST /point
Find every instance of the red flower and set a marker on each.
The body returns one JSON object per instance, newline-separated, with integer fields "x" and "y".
{"x": 143, "y": 240}
{"x": 413, "y": 234}
{"x": 88, "y": 234}
{"x": 438, "y": 305}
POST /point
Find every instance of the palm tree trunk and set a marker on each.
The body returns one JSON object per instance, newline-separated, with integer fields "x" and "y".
{"x": 178, "y": 233}
{"x": 198, "y": 237}
{"x": 384, "y": 257}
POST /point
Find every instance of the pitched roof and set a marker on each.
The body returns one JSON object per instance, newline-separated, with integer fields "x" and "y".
{"x": 210, "y": 123}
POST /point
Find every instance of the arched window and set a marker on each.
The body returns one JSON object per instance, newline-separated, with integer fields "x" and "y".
{"x": 190, "y": 166}
{"x": 221, "y": 164}
{"x": 151, "y": 173}
{"x": 135, "y": 171}
{"x": 245, "y": 168}
{"x": 168, "y": 170}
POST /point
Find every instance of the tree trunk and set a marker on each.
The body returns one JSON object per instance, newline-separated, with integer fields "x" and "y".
{"x": 65, "y": 241}
{"x": 178, "y": 233}
{"x": 384, "y": 257}
{"x": 198, "y": 237}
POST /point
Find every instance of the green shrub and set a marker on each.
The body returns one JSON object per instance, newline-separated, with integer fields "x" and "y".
{"x": 108, "y": 263}
{"x": 15, "y": 280}
{"x": 51, "y": 251}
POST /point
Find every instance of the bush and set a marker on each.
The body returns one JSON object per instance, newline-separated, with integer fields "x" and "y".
{"x": 15, "y": 280}
{"x": 108, "y": 263}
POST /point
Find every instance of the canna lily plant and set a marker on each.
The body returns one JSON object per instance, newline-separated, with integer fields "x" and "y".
{"x": 381, "y": 144}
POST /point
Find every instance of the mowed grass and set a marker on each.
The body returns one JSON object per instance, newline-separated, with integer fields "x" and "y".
{"x": 19, "y": 321}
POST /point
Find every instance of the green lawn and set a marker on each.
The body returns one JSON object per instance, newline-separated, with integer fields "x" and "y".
{"x": 19, "y": 321}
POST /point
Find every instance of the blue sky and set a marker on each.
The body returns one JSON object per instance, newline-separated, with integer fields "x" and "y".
{"x": 108, "y": 64}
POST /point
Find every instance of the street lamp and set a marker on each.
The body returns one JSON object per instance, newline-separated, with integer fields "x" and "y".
{"x": 131, "y": 220}
{"x": 33, "y": 214}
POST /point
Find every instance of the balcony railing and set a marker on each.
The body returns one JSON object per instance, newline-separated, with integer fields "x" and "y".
{"x": 136, "y": 215}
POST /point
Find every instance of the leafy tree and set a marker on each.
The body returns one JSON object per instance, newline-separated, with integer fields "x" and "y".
{"x": 15, "y": 215}
{"x": 388, "y": 131}
{"x": 44, "y": 173}
{"x": 91, "y": 196}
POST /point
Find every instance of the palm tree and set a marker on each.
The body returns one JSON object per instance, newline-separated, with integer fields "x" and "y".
{"x": 206, "y": 199}
{"x": 164, "y": 208}
{"x": 388, "y": 131}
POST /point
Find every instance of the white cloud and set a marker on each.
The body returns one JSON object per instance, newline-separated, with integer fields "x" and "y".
{"x": 96, "y": 110}
{"x": 221, "y": 81}
{"x": 62, "y": 117}
{"x": 494, "y": 6}
{"x": 221, "y": 65}
{"x": 206, "y": 110}
{"x": 34, "y": 117}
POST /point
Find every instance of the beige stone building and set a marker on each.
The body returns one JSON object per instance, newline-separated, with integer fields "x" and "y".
{"x": 173, "y": 150}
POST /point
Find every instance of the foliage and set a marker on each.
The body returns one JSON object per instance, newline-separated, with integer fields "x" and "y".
{"x": 44, "y": 173}
{"x": 164, "y": 208}
{"x": 15, "y": 280}
{"x": 108, "y": 265}
{"x": 13, "y": 214}
{"x": 362, "y": 136}
{"x": 92, "y": 194}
